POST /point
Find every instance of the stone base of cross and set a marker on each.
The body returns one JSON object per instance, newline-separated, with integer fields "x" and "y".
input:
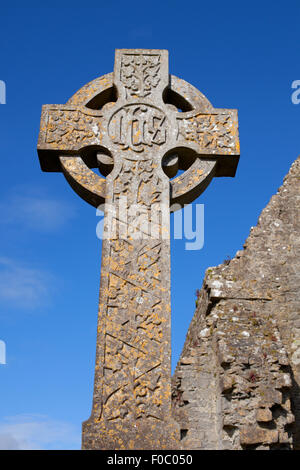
{"x": 138, "y": 126}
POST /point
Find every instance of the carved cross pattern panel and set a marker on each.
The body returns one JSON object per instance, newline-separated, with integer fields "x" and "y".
{"x": 140, "y": 73}
{"x": 135, "y": 135}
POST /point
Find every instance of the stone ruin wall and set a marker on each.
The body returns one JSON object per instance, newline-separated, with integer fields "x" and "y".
{"x": 236, "y": 385}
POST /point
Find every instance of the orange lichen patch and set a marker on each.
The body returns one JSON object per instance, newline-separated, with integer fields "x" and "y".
{"x": 92, "y": 89}
{"x": 82, "y": 178}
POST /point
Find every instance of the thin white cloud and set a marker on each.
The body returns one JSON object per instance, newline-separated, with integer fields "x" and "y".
{"x": 34, "y": 432}
{"x": 23, "y": 286}
{"x": 35, "y": 210}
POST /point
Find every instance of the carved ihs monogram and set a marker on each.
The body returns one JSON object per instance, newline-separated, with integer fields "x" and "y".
{"x": 138, "y": 126}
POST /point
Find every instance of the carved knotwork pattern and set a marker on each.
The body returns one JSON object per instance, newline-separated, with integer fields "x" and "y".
{"x": 213, "y": 131}
{"x": 140, "y": 73}
{"x": 134, "y": 349}
{"x": 140, "y": 174}
{"x": 70, "y": 127}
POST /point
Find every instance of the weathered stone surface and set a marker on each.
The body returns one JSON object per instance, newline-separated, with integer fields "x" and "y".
{"x": 264, "y": 415}
{"x": 241, "y": 388}
{"x": 251, "y": 435}
{"x": 127, "y": 124}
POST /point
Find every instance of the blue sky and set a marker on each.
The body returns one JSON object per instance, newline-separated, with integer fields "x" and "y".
{"x": 240, "y": 55}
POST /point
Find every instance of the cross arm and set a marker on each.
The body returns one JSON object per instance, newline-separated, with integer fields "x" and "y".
{"x": 67, "y": 129}
{"x": 212, "y": 135}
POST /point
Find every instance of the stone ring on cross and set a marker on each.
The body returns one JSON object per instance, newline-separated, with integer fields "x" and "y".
{"x": 138, "y": 126}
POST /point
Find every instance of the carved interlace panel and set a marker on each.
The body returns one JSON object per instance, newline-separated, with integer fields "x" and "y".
{"x": 140, "y": 73}
{"x": 209, "y": 131}
{"x": 134, "y": 348}
{"x": 133, "y": 342}
{"x": 139, "y": 174}
{"x": 71, "y": 127}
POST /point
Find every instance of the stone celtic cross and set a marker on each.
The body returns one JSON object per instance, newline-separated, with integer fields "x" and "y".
{"x": 138, "y": 126}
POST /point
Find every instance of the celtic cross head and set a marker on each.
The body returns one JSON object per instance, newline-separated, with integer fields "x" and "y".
{"x": 137, "y": 111}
